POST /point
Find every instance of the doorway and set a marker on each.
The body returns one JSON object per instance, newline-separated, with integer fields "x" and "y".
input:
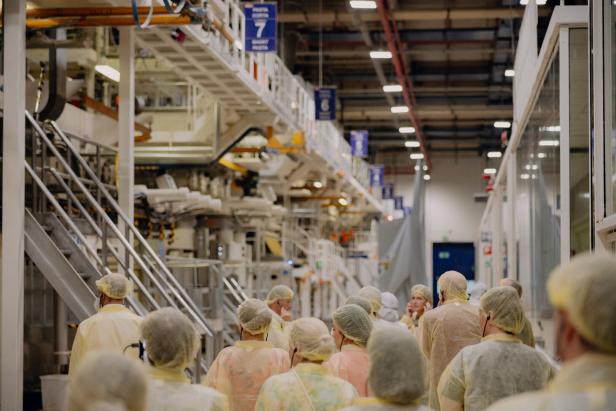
{"x": 453, "y": 256}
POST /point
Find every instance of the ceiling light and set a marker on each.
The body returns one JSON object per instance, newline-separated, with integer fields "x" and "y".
{"x": 108, "y": 71}
{"x": 549, "y": 143}
{"x": 509, "y": 73}
{"x": 317, "y": 184}
{"x": 502, "y": 124}
{"x": 524, "y": 176}
{"x": 416, "y": 156}
{"x": 406, "y": 130}
{"x": 399, "y": 109}
{"x": 541, "y": 155}
{"x": 392, "y": 88}
{"x": 411, "y": 144}
{"x": 363, "y": 4}
{"x": 552, "y": 129}
{"x": 494, "y": 154}
{"x": 343, "y": 201}
{"x": 489, "y": 171}
{"x": 538, "y": 2}
{"x": 380, "y": 54}
{"x": 427, "y": 177}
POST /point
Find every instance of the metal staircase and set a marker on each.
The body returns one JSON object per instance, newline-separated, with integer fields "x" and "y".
{"x": 76, "y": 232}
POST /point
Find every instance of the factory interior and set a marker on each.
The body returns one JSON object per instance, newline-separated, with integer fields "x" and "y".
{"x": 210, "y": 150}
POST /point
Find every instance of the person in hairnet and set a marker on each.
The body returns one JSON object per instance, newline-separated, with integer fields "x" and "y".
{"x": 309, "y": 386}
{"x": 279, "y": 301}
{"x": 171, "y": 342}
{"x": 388, "y": 313}
{"x": 360, "y": 301}
{"x": 373, "y": 295}
{"x": 108, "y": 381}
{"x": 500, "y": 365}
{"x": 397, "y": 373}
{"x": 478, "y": 290}
{"x": 240, "y": 371}
{"x": 448, "y": 328}
{"x": 526, "y": 335}
{"x": 113, "y": 328}
{"x": 420, "y": 302}
{"x": 351, "y": 329}
{"x": 582, "y": 293}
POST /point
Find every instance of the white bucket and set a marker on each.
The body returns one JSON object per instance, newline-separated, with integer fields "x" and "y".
{"x": 55, "y": 392}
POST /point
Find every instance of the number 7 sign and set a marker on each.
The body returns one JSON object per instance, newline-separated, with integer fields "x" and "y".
{"x": 261, "y": 27}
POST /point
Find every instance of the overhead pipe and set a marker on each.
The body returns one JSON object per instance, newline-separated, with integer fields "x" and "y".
{"x": 89, "y": 11}
{"x": 395, "y": 46}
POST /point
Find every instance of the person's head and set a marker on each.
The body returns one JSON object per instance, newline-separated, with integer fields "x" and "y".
{"x": 310, "y": 341}
{"x": 452, "y": 286}
{"x": 421, "y": 297}
{"x": 279, "y": 298}
{"x": 582, "y": 291}
{"x": 389, "y": 308}
{"x": 512, "y": 283}
{"x": 254, "y": 317}
{"x": 500, "y": 310}
{"x": 171, "y": 340}
{"x": 108, "y": 381}
{"x": 373, "y": 295}
{"x": 113, "y": 288}
{"x": 362, "y": 302}
{"x": 351, "y": 325}
{"x": 478, "y": 290}
{"x": 397, "y": 368}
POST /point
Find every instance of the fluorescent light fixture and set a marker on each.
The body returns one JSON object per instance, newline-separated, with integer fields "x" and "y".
{"x": 108, "y": 71}
{"x": 425, "y": 168}
{"x": 317, "y": 184}
{"x": 489, "y": 171}
{"x": 363, "y": 4}
{"x": 524, "y": 176}
{"x": 411, "y": 144}
{"x": 380, "y": 54}
{"x": 510, "y": 73}
{"x": 494, "y": 154}
{"x": 549, "y": 143}
{"x": 392, "y": 88}
{"x": 502, "y": 124}
{"x": 541, "y": 155}
{"x": 406, "y": 130}
{"x": 538, "y": 2}
{"x": 416, "y": 156}
{"x": 343, "y": 201}
{"x": 399, "y": 109}
{"x": 427, "y": 177}
{"x": 552, "y": 129}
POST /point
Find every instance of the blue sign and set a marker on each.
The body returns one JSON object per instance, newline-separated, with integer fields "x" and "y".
{"x": 377, "y": 175}
{"x": 359, "y": 143}
{"x": 399, "y": 203}
{"x": 388, "y": 191}
{"x": 407, "y": 211}
{"x": 261, "y": 27}
{"x": 325, "y": 104}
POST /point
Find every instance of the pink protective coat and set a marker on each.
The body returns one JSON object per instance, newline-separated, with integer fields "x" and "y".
{"x": 352, "y": 364}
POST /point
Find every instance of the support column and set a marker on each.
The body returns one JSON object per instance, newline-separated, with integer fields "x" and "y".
{"x": 13, "y": 187}
{"x": 126, "y": 124}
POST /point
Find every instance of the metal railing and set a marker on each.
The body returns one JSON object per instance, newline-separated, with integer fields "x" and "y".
{"x": 71, "y": 198}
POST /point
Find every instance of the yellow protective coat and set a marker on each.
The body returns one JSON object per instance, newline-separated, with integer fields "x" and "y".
{"x": 111, "y": 329}
{"x": 240, "y": 371}
{"x": 376, "y": 404}
{"x": 446, "y": 330}
{"x": 588, "y": 383}
{"x": 278, "y": 333}
{"x": 307, "y": 387}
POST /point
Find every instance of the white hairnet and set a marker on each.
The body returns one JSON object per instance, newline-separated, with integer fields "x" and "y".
{"x": 108, "y": 381}
{"x": 171, "y": 339}
{"x": 115, "y": 286}
{"x": 585, "y": 289}
{"x": 478, "y": 290}
{"x": 512, "y": 283}
{"x": 279, "y": 292}
{"x": 397, "y": 369}
{"x": 312, "y": 340}
{"x": 254, "y": 316}
{"x": 353, "y": 322}
{"x": 373, "y": 295}
{"x": 423, "y": 291}
{"x": 389, "y": 307}
{"x": 503, "y": 306}
{"x": 362, "y": 302}
{"x": 453, "y": 284}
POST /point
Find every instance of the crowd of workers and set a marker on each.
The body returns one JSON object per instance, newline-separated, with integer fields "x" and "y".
{"x": 463, "y": 354}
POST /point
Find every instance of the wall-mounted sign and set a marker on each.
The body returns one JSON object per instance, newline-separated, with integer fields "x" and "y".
{"x": 377, "y": 175}
{"x": 359, "y": 143}
{"x": 325, "y": 103}
{"x": 388, "y": 191}
{"x": 261, "y": 27}
{"x": 399, "y": 203}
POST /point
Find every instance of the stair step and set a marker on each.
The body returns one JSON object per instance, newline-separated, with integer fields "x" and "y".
{"x": 48, "y": 229}
{"x": 66, "y": 252}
